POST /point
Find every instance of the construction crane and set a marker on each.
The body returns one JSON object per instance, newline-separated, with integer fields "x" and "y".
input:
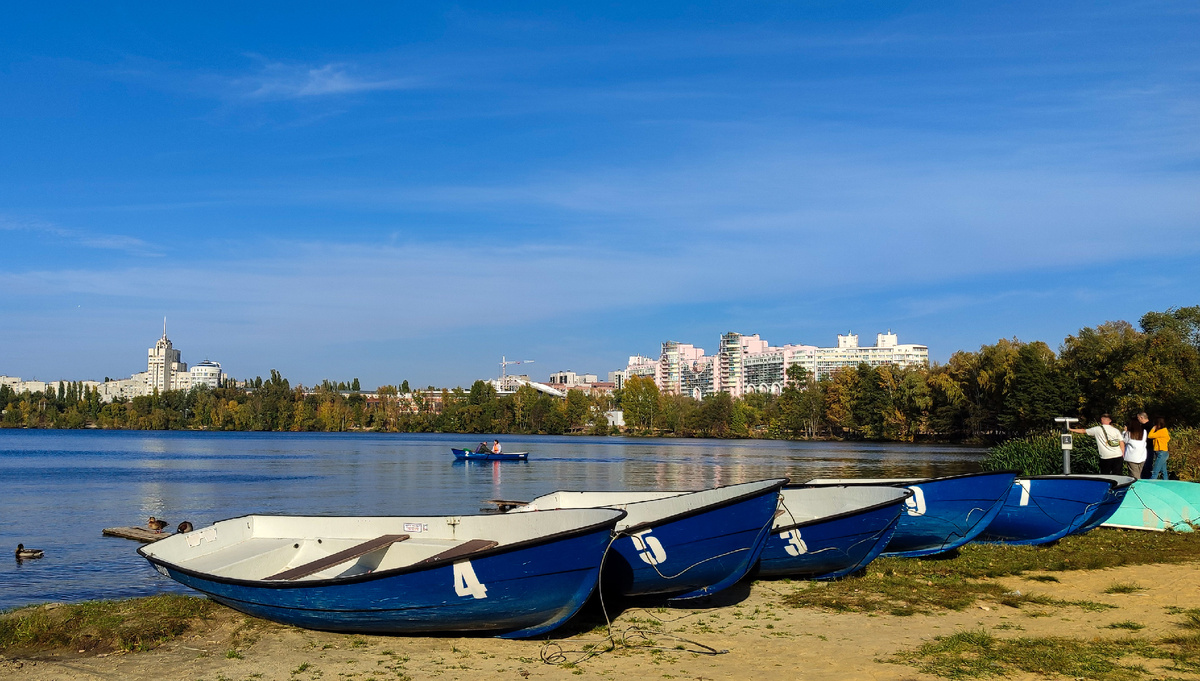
{"x": 504, "y": 364}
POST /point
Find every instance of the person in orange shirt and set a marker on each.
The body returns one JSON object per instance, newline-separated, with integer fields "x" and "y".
{"x": 495, "y": 446}
{"x": 1159, "y": 436}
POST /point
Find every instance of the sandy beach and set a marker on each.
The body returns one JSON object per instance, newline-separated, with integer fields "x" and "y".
{"x": 748, "y": 633}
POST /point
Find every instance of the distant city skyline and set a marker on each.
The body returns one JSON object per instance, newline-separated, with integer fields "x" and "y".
{"x": 401, "y": 192}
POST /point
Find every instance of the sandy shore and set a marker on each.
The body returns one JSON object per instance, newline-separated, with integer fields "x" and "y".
{"x": 762, "y": 639}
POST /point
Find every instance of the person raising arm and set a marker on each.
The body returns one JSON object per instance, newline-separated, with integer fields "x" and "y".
{"x": 1109, "y": 443}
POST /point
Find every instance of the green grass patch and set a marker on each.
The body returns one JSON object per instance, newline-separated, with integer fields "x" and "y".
{"x": 1123, "y": 588}
{"x": 905, "y": 586}
{"x": 979, "y": 654}
{"x": 101, "y": 626}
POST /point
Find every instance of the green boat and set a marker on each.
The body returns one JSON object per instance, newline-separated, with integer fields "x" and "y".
{"x": 1159, "y": 505}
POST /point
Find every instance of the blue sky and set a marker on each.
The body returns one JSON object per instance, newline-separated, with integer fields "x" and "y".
{"x": 409, "y": 191}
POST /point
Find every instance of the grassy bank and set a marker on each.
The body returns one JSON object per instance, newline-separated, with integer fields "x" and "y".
{"x": 906, "y": 586}
{"x": 103, "y": 626}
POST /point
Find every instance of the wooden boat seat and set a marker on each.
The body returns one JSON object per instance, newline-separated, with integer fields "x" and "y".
{"x": 463, "y": 549}
{"x": 342, "y": 556}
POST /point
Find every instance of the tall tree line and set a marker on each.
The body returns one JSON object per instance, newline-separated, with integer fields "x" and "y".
{"x": 1007, "y": 389}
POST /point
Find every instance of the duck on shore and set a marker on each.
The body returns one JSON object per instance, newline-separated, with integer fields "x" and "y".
{"x": 156, "y": 524}
{"x": 23, "y": 552}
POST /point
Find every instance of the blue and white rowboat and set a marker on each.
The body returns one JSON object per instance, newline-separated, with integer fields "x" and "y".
{"x": 1112, "y": 501}
{"x": 681, "y": 544}
{"x": 1044, "y": 508}
{"x": 830, "y": 532}
{"x": 943, "y": 513}
{"x": 509, "y": 575}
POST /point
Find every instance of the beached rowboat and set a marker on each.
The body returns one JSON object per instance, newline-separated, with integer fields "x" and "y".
{"x": 1159, "y": 505}
{"x": 943, "y": 513}
{"x": 509, "y": 575}
{"x": 680, "y": 544}
{"x": 830, "y": 532}
{"x": 1043, "y": 508}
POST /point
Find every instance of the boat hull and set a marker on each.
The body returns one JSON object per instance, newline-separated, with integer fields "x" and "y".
{"x": 1109, "y": 505}
{"x": 943, "y": 513}
{"x": 468, "y": 455}
{"x": 837, "y": 544}
{"x": 1042, "y": 509}
{"x": 683, "y": 544}
{"x": 1158, "y": 505}
{"x": 524, "y": 591}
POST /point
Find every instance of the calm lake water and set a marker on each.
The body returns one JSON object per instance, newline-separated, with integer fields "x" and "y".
{"x": 61, "y": 488}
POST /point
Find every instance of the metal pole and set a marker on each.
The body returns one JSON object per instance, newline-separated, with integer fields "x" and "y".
{"x": 1066, "y": 442}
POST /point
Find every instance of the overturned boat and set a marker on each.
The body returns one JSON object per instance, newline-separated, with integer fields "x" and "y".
{"x": 1040, "y": 509}
{"x": 830, "y": 532}
{"x": 508, "y": 575}
{"x": 678, "y": 543}
{"x": 943, "y": 513}
{"x": 1110, "y": 504}
{"x": 1159, "y": 505}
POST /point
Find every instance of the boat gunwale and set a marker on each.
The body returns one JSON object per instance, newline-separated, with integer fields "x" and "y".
{"x": 877, "y": 482}
{"x": 1111, "y": 483}
{"x": 908, "y": 493}
{"x": 780, "y": 483}
{"x": 382, "y": 574}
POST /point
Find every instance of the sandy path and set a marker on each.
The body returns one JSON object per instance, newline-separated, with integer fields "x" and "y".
{"x": 764, "y": 640}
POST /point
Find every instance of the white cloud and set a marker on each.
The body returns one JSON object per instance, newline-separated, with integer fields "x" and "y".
{"x": 86, "y": 239}
{"x": 282, "y": 81}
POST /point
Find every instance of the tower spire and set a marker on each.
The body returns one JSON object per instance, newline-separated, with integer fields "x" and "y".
{"x": 164, "y": 327}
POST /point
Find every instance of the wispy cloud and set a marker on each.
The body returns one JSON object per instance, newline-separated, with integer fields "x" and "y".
{"x": 278, "y": 81}
{"x": 82, "y": 238}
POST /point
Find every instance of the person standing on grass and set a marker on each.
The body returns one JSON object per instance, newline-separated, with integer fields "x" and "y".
{"x": 1144, "y": 419}
{"x": 1135, "y": 446}
{"x": 1160, "y": 437}
{"x": 1108, "y": 443}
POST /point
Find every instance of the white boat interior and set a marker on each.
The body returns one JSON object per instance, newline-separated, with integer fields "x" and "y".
{"x": 803, "y": 504}
{"x": 303, "y": 548}
{"x": 646, "y": 507}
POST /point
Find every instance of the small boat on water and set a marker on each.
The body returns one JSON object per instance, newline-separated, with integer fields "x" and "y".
{"x": 678, "y": 543}
{"x": 1159, "y": 505}
{"x": 509, "y": 575}
{"x": 1043, "y": 508}
{"x": 830, "y": 532}
{"x": 943, "y": 513}
{"x": 469, "y": 455}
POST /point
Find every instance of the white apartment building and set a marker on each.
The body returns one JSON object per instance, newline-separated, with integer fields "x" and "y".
{"x": 748, "y": 364}
{"x": 165, "y": 370}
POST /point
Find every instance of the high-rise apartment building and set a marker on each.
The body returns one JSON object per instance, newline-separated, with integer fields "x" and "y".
{"x": 748, "y": 364}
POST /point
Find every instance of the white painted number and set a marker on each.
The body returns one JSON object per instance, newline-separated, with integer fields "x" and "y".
{"x": 465, "y": 581}
{"x": 915, "y": 505}
{"x": 649, "y": 548}
{"x": 1024, "y": 485}
{"x": 795, "y": 546}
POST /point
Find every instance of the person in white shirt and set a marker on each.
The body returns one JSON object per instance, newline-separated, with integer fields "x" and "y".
{"x": 1135, "y": 447}
{"x": 495, "y": 446}
{"x": 1109, "y": 443}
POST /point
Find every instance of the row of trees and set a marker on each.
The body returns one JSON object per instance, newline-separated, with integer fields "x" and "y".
{"x": 1003, "y": 390}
